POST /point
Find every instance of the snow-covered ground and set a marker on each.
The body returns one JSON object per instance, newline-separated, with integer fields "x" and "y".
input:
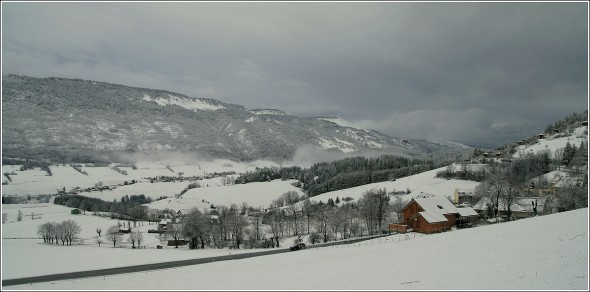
{"x": 36, "y": 181}
{"x": 21, "y": 245}
{"x": 257, "y": 194}
{"x": 553, "y": 143}
{"x": 425, "y": 182}
{"x": 541, "y": 253}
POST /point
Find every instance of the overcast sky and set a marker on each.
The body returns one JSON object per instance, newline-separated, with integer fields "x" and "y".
{"x": 477, "y": 73}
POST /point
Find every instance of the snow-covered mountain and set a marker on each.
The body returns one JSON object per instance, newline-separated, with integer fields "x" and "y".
{"x": 71, "y": 119}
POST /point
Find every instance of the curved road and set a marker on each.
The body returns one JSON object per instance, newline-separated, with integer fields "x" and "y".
{"x": 137, "y": 268}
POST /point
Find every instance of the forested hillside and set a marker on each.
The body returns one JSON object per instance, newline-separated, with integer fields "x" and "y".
{"x": 59, "y": 120}
{"x": 345, "y": 173}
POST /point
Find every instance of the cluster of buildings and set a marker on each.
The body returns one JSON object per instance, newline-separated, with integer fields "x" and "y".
{"x": 427, "y": 213}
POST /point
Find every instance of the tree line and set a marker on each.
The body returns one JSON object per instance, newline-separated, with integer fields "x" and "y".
{"x": 128, "y": 205}
{"x": 345, "y": 173}
{"x": 351, "y": 172}
{"x": 568, "y": 122}
{"x": 226, "y": 226}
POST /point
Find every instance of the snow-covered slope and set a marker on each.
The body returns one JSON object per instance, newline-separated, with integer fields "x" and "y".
{"x": 36, "y": 181}
{"x": 339, "y": 121}
{"x": 540, "y": 253}
{"x": 268, "y": 112}
{"x": 554, "y": 143}
{"x": 194, "y": 104}
{"x": 425, "y": 182}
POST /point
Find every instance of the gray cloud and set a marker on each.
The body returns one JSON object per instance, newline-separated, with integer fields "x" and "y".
{"x": 479, "y": 73}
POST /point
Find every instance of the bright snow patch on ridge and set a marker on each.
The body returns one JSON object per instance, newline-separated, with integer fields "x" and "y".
{"x": 450, "y": 143}
{"x": 268, "y": 112}
{"x": 341, "y": 145}
{"x": 192, "y": 104}
{"x": 339, "y": 121}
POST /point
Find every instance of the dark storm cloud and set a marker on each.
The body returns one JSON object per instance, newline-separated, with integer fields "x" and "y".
{"x": 480, "y": 73}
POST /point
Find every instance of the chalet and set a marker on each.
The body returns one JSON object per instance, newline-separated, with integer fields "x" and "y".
{"x": 428, "y": 214}
{"x": 463, "y": 196}
{"x": 163, "y": 225}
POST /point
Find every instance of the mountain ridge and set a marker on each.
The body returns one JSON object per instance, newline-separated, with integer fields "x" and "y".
{"x": 65, "y": 119}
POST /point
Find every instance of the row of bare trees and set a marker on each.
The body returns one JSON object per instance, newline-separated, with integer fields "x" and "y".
{"x": 65, "y": 232}
{"x": 114, "y": 235}
{"x": 225, "y": 226}
{"x": 504, "y": 187}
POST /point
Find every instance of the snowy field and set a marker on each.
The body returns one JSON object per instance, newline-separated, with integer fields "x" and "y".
{"x": 257, "y": 194}
{"x": 541, "y": 253}
{"x": 20, "y": 245}
{"x": 425, "y": 182}
{"x": 36, "y": 181}
{"x": 212, "y": 190}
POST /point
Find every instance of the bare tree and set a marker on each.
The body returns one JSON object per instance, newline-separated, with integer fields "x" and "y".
{"x": 256, "y": 222}
{"x": 174, "y": 231}
{"x": 113, "y": 235}
{"x": 195, "y": 227}
{"x": 98, "y": 230}
{"x": 307, "y": 210}
{"x": 71, "y": 230}
{"x": 572, "y": 195}
{"x": 132, "y": 239}
{"x": 62, "y": 233}
{"x": 135, "y": 237}
{"x": 44, "y": 230}
{"x": 237, "y": 224}
{"x": 397, "y": 206}
{"x": 323, "y": 213}
{"x": 99, "y": 241}
{"x": 138, "y": 238}
{"x": 294, "y": 210}
{"x": 336, "y": 221}
{"x": 374, "y": 207}
{"x": 275, "y": 226}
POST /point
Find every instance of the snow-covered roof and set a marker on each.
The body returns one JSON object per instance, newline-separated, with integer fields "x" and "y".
{"x": 434, "y": 208}
{"x": 432, "y": 217}
{"x": 436, "y": 204}
{"x": 467, "y": 211}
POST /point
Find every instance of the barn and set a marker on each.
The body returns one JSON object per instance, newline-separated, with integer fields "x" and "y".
{"x": 429, "y": 214}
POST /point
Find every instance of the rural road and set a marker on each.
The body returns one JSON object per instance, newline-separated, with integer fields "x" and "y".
{"x": 163, "y": 265}
{"x": 136, "y": 268}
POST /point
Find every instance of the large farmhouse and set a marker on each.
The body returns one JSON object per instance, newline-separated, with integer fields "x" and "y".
{"x": 428, "y": 214}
